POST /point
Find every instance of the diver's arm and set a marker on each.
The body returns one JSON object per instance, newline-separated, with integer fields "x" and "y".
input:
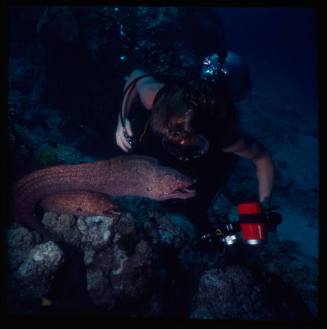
{"x": 265, "y": 175}
{"x": 147, "y": 89}
{"x": 134, "y": 74}
{"x": 126, "y": 129}
{"x": 246, "y": 147}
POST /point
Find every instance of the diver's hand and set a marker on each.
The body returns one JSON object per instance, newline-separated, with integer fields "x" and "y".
{"x": 122, "y": 135}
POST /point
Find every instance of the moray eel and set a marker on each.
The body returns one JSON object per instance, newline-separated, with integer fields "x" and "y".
{"x": 84, "y": 203}
{"x": 119, "y": 176}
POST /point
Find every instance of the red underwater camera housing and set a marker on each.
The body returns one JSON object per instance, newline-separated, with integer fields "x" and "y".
{"x": 252, "y": 222}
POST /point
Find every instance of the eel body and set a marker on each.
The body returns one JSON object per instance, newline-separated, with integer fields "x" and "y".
{"x": 119, "y": 176}
{"x": 84, "y": 203}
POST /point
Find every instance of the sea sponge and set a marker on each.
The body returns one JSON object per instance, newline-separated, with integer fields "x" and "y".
{"x": 128, "y": 243}
{"x": 46, "y": 156}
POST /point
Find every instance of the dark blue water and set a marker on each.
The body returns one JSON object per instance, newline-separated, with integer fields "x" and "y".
{"x": 278, "y": 42}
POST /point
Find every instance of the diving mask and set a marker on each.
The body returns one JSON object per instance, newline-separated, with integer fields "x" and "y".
{"x": 185, "y": 149}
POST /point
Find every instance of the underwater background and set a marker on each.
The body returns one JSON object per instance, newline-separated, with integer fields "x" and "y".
{"x": 66, "y": 70}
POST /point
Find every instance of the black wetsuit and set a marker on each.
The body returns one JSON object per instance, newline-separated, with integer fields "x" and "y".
{"x": 211, "y": 170}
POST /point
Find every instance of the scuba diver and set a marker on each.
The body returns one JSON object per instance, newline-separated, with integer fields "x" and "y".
{"x": 193, "y": 126}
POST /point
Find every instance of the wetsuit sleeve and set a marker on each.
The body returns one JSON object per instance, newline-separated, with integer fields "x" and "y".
{"x": 230, "y": 135}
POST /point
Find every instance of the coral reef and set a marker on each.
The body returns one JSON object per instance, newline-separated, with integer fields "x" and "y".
{"x": 32, "y": 268}
{"x": 19, "y": 243}
{"x": 118, "y": 262}
{"x": 148, "y": 266}
{"x": 229, "y": 294}
{"x": 121, "y": 256}
{"x": 62, "y": 228}
{"x": 46, "y": 156}
{"x": 59, "y": 21}
{"x": 236, "y": 292}
{"x": 284, "y": 258}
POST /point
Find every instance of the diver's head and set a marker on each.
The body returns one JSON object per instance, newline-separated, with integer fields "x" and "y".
{"x": 184, "y": 116}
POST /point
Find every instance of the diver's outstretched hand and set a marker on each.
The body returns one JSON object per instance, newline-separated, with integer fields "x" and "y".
{"x": 123, "y": 134}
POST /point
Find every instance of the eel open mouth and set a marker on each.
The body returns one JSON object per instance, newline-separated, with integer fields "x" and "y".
{"x": 184, "y": 192}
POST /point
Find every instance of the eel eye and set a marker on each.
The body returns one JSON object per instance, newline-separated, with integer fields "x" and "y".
{"x": 149, "y": 189}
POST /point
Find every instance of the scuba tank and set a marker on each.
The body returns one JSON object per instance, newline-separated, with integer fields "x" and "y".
{"x": 232, "y": 71}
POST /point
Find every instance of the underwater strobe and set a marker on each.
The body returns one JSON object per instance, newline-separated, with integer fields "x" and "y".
{"x": 253, "y": 225}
